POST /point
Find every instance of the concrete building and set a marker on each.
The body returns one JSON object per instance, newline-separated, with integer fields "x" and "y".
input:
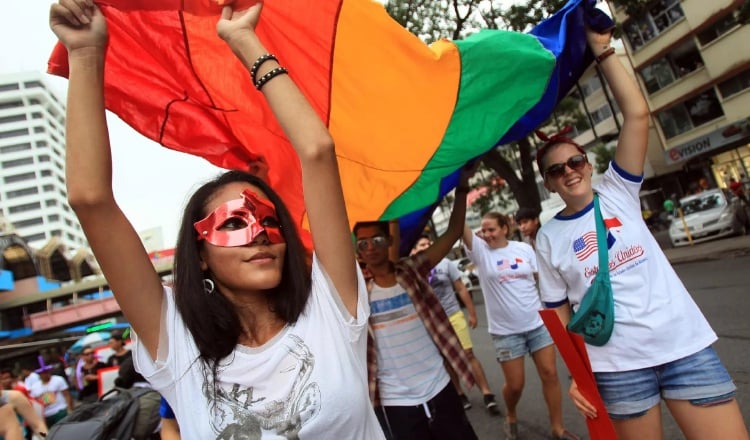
{"x": 33, "y": 197}
{"x": 692, "y": 61}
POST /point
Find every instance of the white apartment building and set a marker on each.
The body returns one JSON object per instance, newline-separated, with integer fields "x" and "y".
{"x": 692, "y": 60}
{"x": 33, "y": 197}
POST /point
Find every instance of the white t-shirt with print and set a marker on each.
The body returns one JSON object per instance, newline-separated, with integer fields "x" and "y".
{"x": 309, "y": 381}
{"x": 410, "y": 366}
{"x": 656, "y": 319}
{"x": 50, "y": 394}
{"x": 441, "y": 279}
{"x": 506, "y": 276}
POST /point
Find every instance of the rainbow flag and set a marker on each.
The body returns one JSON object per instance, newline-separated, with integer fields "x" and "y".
{"x": 405, "y": 116}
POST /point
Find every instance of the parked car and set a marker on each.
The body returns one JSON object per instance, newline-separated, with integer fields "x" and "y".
{"x": 708, "y": 215}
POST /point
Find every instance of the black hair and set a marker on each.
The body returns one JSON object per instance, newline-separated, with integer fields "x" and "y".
{"x": 382, "y": 226}
{"x": 527, "y": 214}
{"x": 212, "y": 319}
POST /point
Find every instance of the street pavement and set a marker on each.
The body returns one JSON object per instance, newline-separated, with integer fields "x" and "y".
{"x": 715, "y": 273}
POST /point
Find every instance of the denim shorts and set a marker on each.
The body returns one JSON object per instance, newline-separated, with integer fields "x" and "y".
{"x": 509, "y": 347}
{"x": 699, "y": 378}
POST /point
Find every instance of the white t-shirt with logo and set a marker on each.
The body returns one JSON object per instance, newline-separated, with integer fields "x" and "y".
{"x": 50, "y": 394}
{"x": 656, "y": 319}
{"x": 410, "y": 366}
{"x": 441, "y": 279}
{"x": 506, "y": 276}
{"x": 309, "y": 381}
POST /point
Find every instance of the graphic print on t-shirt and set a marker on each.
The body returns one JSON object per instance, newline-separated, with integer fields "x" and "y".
{"x": 507, "y": 263}
{"x": 238, "y": 413}
{"x": 585, "y": 245}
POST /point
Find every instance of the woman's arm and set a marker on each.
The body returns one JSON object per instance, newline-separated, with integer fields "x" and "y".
{"x": 324, "y": 199}
{"x": 633, "y": 142}
{"x": 81, "y": 27}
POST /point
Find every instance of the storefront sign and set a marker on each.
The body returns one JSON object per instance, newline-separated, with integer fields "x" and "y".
{"x": 711, "y": 141}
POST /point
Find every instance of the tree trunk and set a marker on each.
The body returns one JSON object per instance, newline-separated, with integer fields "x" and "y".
{"x": 524, "y": 188}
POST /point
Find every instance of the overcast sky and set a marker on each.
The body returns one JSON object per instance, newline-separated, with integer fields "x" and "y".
{"x": 151, "y": 183}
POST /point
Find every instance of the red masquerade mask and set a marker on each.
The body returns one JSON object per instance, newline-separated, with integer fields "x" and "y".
{"x": 239, "y": 221}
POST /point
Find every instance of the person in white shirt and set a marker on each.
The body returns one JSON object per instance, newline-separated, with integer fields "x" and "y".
{"x": 507, "y": 274}
{"x": 52, "y": 391}
{"x": 253, "y": 340}
{"x": 660, "y": 347}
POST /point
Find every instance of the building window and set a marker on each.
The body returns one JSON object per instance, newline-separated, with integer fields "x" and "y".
{"x": 42, "y": 144}
{"x": 25, "y": 207}
{"x": 735, "y": 84}
{"x": 36, "y": 115}
{"x": 56, "y": 233}
{"x": 19, "y": 177}
{"x": 33, "y": 84}
{"x": 6, "y": 87}
{"x": 38, "y": 129}
{"x": 657, "y": 19}
{"x": 48, "y": 188}
{"x": 29, "y": 222}
{"x": 593, "y": 84}
{"x": 13, "y": 133}
{"x": 22, "y": 192}
{"x": 677, "y": 63}
{"x": 70, "y": 236}
{"x": 44, "y": 158}
{"x": 46, "y": 173}
{"x": 14, "y": 148}
{"x": 690, "y": 114}
{"x": 53, "y": 218}
{"x": 49, "y": 203}
{"x": 721, "y": 27}
{"x": 11, "y": 104}
{"x": 17, "y": 162}
{"x": 12, "y": 118}
{"x": 601, "y": 114}
{"x": 35, "y": 237}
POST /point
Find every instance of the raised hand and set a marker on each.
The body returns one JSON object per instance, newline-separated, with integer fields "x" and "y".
{"x": 78, "y": 24}
{"x": 234, "y": 27}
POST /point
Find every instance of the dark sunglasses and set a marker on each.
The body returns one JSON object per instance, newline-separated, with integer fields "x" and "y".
{"x": 378, "y": 241}
{"x": 575, "y": 163}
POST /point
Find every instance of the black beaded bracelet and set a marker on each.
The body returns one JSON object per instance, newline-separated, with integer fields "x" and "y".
{"x": 269, "y": 76}
{"x": 256, "y": 65}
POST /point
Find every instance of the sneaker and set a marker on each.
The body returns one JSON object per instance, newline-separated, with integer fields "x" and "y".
{"x": 465, "y": 401}
{"x": 491, "y": 405}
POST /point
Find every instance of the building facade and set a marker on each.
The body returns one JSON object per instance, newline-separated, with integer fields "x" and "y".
{"x": 692, "y": 61}
{"x": 33, "y": 196}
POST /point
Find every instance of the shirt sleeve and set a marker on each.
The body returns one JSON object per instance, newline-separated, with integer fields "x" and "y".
{"x": 621, "y": 185}
{"x": 453, "y": 271}
{"x": 478, "y": 245}
{"x": 552, "y": 287}
{"x": 327, "y": 296}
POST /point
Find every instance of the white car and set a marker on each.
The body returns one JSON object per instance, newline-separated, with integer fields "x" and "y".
{"x": 708, "y": 215}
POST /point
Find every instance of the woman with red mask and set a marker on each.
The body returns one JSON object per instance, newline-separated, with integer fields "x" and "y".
{"x": 251, "y": 341}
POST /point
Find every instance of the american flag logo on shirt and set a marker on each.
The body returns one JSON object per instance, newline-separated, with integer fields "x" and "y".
{"x": 508, "y": 264}
{"x": 585, "y": 245}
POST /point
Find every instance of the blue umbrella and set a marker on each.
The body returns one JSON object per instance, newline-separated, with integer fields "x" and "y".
{"x": 94, "y": 340}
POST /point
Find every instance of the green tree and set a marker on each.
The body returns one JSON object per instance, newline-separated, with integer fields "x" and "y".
{"x": 604, "y": 154}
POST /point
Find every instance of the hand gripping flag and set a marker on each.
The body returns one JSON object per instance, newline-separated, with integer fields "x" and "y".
{"x": 404, "y": 116}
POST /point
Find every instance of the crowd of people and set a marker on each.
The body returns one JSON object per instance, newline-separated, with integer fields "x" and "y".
{"x": 257, "y": 337}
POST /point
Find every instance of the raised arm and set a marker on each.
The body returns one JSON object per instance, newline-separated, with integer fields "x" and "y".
{"x": 633, "y": 142}
{"x": 324, "y": 199}
{"x": 81, "y": 27}
{"x": 445, "y": 242}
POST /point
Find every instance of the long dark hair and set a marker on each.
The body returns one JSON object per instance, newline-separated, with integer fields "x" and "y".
{"x": 212, "y": 319}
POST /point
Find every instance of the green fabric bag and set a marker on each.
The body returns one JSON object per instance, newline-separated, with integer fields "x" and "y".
{"x": 595, "y": 317}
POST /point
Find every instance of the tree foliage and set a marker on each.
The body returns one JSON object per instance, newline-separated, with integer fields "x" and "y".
{"x": 604, "y": 155}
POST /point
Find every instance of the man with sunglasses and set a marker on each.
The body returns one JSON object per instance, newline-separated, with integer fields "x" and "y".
{"x": 88, "y": 383}
{"x": 412, "y": 339}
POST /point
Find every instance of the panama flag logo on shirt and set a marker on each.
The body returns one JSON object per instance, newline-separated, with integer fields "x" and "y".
{"x": 508, "y": 264}
{"x": 585, "y": 245}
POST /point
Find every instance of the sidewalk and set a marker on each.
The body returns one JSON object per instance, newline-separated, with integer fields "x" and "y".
{"x": 711, "y": 250}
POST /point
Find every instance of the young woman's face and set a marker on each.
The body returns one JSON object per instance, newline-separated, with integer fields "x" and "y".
{"x": 255, "y": 266}
{"x": 494, "y": 234}
{"x": 571, "y": 184}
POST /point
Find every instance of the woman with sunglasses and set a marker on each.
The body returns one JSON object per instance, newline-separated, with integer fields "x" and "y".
{"x": 250, "y": 342}
{"x": 507, "y": 274}
{"x": 660, "y": 346}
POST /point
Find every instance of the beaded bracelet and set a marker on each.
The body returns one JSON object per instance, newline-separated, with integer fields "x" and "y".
{"x": 256, "y": 65}
{"x": 270, "y": 75}
{"x": 609, "y": 51}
